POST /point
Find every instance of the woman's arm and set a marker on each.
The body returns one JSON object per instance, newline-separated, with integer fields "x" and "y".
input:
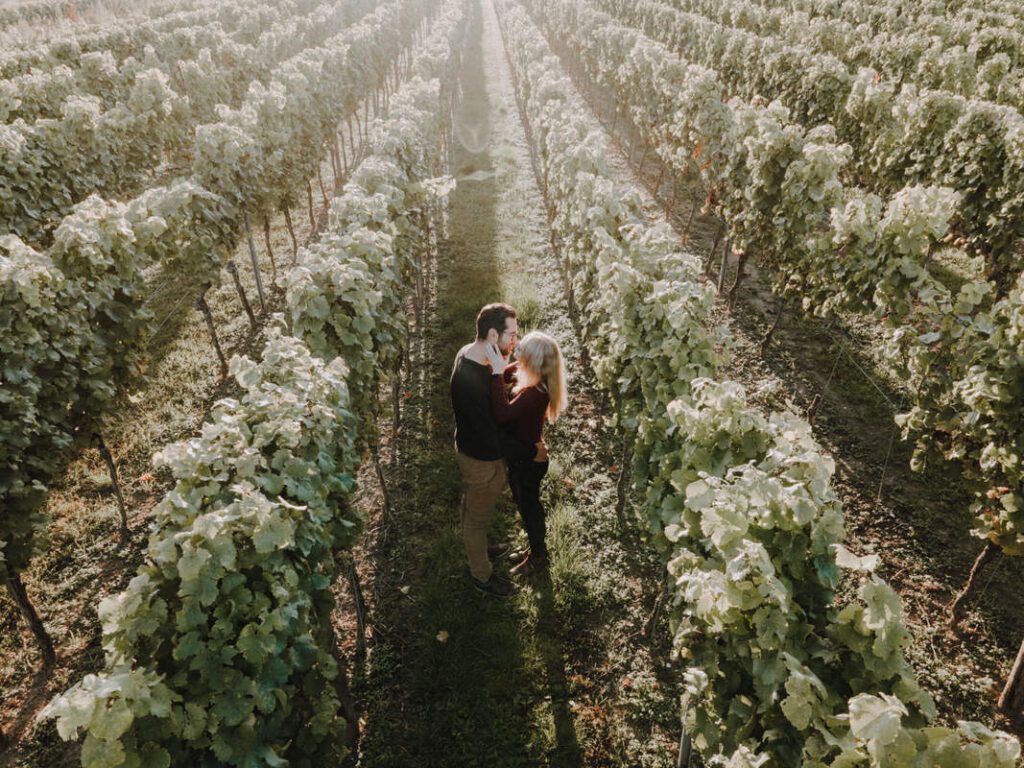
{"x": 510, "y": 372}
{"x": 528, "y": 402}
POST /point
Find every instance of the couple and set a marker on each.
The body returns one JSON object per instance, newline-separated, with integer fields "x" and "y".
{"x": 499, "y": 436}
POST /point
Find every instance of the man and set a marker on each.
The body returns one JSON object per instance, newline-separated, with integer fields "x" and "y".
{"x": 481, "y": 448}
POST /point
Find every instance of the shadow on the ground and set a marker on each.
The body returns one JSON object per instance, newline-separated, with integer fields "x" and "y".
{"x": 449, "y": 680}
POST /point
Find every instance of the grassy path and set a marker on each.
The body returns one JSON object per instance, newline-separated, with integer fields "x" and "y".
{"x": 560, "y": 674}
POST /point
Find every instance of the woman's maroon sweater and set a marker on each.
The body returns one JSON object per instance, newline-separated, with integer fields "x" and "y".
{"x": 524, "y": 413}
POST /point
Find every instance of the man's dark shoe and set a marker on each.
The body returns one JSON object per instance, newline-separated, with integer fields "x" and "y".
{"x": 495, "y": 585}
{"x": 498, "y": 551}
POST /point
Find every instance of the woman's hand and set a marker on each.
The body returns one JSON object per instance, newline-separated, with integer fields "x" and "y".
{"x": 494, "y": 359}
{"x": 542, "y": 452}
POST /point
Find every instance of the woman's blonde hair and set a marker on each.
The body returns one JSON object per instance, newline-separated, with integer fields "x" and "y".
{"x": 540, "y": 362}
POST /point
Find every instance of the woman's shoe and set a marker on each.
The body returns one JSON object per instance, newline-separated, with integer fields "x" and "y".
{"x": 516, "y": 556}
{"x": 529, "y": 566}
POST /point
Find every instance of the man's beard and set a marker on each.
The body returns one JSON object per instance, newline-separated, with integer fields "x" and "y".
{"x": 505, "y": 350}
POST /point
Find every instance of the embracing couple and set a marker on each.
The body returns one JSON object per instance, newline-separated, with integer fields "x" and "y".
{"x": 500, "y": 409}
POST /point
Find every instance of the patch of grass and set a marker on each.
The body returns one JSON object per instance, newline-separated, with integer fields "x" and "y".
{"x": 523, "y": 297}
{"x": 450, "y": 682}
{"x": 954, "y": 267}
{"x": 573, "y": 574}
{"x": 453, "y": 677}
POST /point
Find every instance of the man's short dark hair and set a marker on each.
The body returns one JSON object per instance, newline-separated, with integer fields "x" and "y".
{"x": 493, "y": 316}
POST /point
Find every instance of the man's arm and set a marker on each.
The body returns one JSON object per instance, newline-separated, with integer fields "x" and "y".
{"x": 514, "y": 449}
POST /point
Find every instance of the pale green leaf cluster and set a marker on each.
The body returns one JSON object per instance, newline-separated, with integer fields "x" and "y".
{"x": 74, "y": 329}
{"x": 217, "y": 645}
{"x": 968, "y": 364}
{"x": 741, "y": 503}
{"x": 925, "y": 135}
{"x": 963, "y": 48}
{"x": 345, "y": 295}
{"x": 221, "y": 648}
{"x": 788, "y": 197}
{"x": 251, "y": 159}
{"x": 104, "y": 125}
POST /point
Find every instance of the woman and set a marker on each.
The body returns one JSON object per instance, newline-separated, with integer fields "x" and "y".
{"x": 539, "y": 393}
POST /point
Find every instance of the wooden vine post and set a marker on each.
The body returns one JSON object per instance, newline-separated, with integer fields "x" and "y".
{"x": 323, "y": 189}
{"x": 339, "y": 148}
{"x": 341, "y": 683}
{"x": 360, "y": 606}
{"x": 396, "y": 396}
{"x": 740, "y": 269}
{"x": 359, "y": 125}
{"x": 309, "y": 202}
{"x": 203, "y": 307}
{"x": 108, "y": 459}
{"x": 1012, "y": 699}
{"x": 385, "y": 500}
{"x": 335, "y": 164}
{"x": 270, "y": 250}
{"x": 16, "y": 590}
{"x": 622, "y": 483}
{"x": 714, "y": 247}
{"x": 233, "y": 271}
{"x": 957, "y": 608}
{"x": 291, "y": 231}
{"x": 767, "y": 338}
{"x": 685, "y": 749}
{"x": 689, "y": 222}
{"x": 351, "y": 138}
{"x": 255, "y": 264}
{"x": 726, "y": 248}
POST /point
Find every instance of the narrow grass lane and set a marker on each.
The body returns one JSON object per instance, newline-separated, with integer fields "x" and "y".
{"x": 561, "y": 674}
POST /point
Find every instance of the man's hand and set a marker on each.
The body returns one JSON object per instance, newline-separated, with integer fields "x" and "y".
{"x": 542, "y": 452}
